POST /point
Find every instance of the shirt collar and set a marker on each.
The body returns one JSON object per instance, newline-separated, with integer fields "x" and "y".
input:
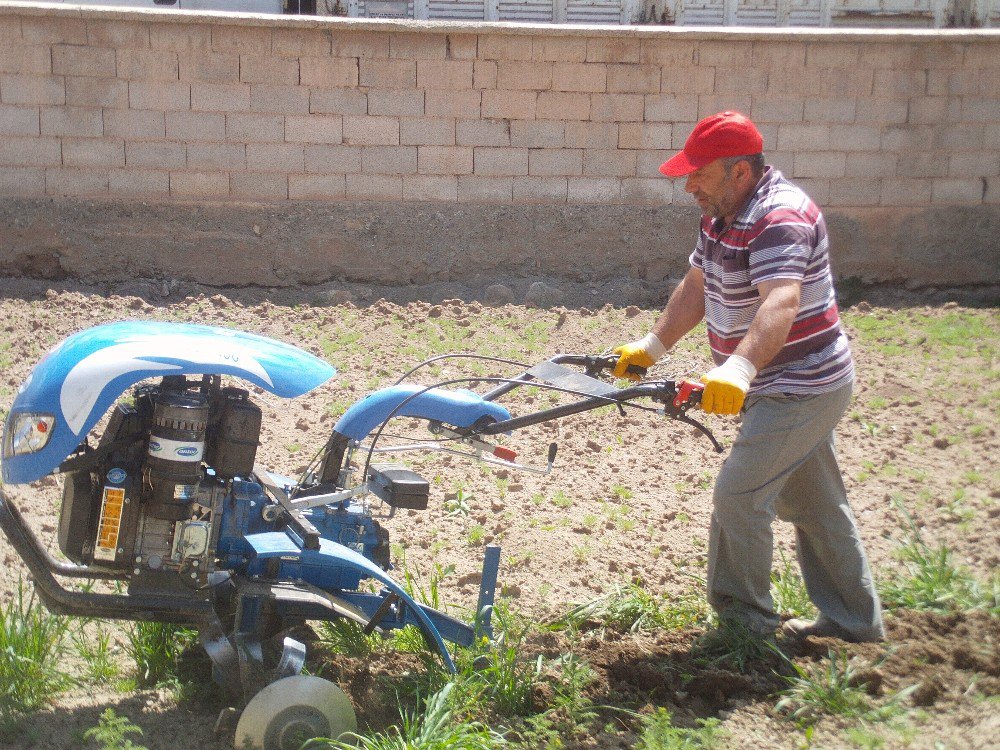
{"x": 770, "y": 175}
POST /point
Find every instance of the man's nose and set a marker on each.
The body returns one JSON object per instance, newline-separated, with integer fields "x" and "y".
{"x": 690, "y": 186}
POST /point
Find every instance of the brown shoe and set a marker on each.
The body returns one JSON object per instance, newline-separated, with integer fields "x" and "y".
{"x": 822, "y": 628}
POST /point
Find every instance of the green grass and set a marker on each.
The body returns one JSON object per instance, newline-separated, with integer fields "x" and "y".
{"x": 32, "y": 645}
{"x": 659, "y": 733}
{"x": 345, "y": 636}
{"x": 788, "y": 591}
{"x": 111, "y": 731}
{"x": 434, "y": 728}
{"x": 835, "y": 687}
{"x": 938, "y": 337}
{"x": 155, "y": 647}
{"x": 734, "y": 645}
{"x": 630, "y": 608}
{"x": 931, "y": 580}
{"x": 97, "y": 654}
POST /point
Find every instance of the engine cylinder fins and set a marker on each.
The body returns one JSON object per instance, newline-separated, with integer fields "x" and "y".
{"x": 177, "y": 437}
{"x": 292, "y": 710}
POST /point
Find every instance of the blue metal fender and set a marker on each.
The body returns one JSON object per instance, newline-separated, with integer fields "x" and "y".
{"x": 278, "y": 544}
{"x": 457, "y": 408}
{"x": 79, "y": 380}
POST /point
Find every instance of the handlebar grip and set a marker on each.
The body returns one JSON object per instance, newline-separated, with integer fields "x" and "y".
{"x": 610, "y": 361}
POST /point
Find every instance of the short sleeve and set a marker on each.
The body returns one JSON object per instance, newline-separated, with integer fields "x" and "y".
{"x": 697, "y": 257}
{"x": 782, "y": 248}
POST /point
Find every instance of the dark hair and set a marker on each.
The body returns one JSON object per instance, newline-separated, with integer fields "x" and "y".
{"x": 756, "y": 162}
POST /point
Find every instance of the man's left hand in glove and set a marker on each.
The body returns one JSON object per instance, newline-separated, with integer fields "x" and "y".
{"x": 726, "y": 385}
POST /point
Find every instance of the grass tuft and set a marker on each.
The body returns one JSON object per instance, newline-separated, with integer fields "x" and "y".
{"x": 156, "y": 647}
{"x": 834, "y": 688}
{"x": 32, "y": 643}
{"x": 659, "y": 733}
{"x": 436, "y": 728}
{"x": 630, "y": 608}
{"x": 111, "y": 731}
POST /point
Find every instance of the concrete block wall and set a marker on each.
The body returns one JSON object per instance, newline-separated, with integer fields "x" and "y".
{"x": 459, "y": 131}
{"x": 127, "y": 104}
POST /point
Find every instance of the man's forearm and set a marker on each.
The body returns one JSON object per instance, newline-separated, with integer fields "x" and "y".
{"x": 684, "y": 310}
{"x": 771, "y": 324}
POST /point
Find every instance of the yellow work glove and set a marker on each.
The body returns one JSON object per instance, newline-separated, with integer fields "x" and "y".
{"x": 642, "y": 353}
{"x": 726, "y": 386}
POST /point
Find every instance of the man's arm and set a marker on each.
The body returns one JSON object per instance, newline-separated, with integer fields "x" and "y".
{"x": 685, "y": 308}
{"x": 727, "y": 385}
{"x": 772, "y": 322}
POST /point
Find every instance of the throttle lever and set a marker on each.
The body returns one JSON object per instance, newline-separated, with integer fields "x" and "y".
{"x": 686, "y": 390}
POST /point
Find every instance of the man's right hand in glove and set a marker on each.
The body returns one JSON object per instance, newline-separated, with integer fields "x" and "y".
{"x": 642, "y": 353}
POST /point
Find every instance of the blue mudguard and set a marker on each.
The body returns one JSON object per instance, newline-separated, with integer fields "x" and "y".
{"x": 456, "y": 408}
{"x": 312, "y": 563}
{"x": 82, "y": 377}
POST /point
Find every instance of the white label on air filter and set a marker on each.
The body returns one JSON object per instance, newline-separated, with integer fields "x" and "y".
{"x": 176, "y": 450}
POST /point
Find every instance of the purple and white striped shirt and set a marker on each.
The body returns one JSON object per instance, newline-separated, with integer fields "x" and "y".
{"x": 779, "y": 234}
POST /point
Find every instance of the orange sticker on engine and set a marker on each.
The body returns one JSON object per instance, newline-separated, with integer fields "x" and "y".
{"x": 110, "y": 524}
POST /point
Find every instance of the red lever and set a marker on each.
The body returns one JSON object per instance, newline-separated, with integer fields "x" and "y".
{"x": 505, "y": 454}
{"x": 684, "y": 392}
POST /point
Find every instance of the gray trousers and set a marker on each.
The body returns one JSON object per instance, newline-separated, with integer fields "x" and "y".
{"x": 783, "y": 464}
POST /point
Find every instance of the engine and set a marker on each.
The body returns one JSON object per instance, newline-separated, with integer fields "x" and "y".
{"x": 148, "y": 497}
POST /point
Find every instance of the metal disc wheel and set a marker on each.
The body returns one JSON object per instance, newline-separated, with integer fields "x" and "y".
{"x": 290, "y": 711}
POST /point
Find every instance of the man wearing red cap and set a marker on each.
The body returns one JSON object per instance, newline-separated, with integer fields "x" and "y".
{"x": 760, "y": 276}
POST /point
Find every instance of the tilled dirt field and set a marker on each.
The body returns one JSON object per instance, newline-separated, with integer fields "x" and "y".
{"x": 629, "y": 500}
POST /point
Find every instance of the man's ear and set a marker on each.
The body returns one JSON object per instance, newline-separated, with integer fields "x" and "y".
{"x": 744, "y": 171}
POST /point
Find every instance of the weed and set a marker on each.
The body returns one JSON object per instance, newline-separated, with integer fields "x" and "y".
{"x": 834, "y": 689}
{"x": 491, "y": 674}
{"x": 789, "y": 591}
{"x": 458, "y": 505}
{"x": 734, "y": 644}
{"x": 476, "y": 535}
{"x": 97, "y": 655}
{"x": 561, "y": 500}
{"x": 570, "y": 712}
{"x": 631, "y": 608}
{"x": 347, "y": 637}
{"x": 111, "y": 731}
{"x": 659, "y": 733}
{"x": 431, "y": 593}
{"x": 622, "y": 492}
{"x": 32, "y": 641}
{"x": 932, "y": 581}
{"x": 433, "y": 729}
{"x": 155, "y": 647}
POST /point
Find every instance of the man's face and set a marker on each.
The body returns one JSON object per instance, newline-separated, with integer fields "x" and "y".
{"x": 719, "y": 191}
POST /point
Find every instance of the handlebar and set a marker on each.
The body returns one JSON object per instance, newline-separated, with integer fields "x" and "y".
{"x": 676, "y": 397}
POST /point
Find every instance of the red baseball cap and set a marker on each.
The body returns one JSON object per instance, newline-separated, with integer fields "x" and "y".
{"x": 716, "y": 137}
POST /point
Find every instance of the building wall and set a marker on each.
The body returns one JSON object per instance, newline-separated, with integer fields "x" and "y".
{"x": 895, "y": 130}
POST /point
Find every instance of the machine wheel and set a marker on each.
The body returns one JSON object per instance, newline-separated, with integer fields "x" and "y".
{"x": 292, "y": 710}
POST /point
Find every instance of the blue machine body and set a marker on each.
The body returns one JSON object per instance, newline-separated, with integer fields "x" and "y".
{"x": 458, "y": 408}
{"x": 79, "y": 380}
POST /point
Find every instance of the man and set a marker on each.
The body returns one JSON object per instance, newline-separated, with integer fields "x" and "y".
{"x": 760, "y": 275}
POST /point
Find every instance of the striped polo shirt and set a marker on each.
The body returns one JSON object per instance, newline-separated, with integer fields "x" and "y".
{"x": 779, "y": 234}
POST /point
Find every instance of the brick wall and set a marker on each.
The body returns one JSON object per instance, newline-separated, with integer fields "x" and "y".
{"x": 161, "y": 106}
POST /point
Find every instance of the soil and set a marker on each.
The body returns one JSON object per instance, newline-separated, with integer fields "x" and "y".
{"x": 628, "y": 500}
